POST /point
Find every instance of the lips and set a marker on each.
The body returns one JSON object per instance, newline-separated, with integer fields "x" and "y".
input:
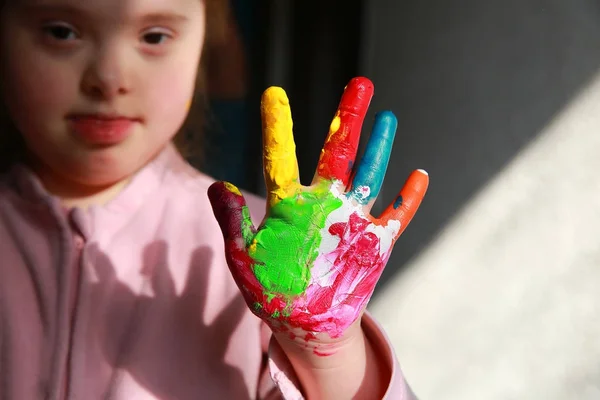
{"x": 100, "y": 129}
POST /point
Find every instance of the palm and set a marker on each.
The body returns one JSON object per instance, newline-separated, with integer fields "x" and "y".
{"x": 314, "y": 261}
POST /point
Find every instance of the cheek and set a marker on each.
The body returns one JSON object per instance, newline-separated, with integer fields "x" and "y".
{"x": 37, "y": 107}
{"x": 169, "y": 98}
{"x": 37, "y": 88}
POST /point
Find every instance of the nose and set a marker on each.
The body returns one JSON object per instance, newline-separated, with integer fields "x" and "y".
{"x": 106, "y": 76}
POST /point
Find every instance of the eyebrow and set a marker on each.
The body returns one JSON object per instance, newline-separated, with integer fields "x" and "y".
{"x": 157, "y": 17}
{"x": 163, "y": 17}
{"x": 68, "y": 9}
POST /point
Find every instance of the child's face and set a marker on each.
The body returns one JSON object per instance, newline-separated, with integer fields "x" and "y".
{"x": 98, "y": 87}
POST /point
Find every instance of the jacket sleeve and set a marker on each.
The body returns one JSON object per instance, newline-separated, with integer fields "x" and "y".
{"x": 279, "y": 382}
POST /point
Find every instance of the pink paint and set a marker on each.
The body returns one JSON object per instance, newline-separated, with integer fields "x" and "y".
{"x": 357, "y": 267}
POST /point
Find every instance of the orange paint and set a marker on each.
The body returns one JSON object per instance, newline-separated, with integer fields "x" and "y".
{"x": 408, "y": 201}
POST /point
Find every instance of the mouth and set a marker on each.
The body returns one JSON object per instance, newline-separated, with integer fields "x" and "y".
{"x": 101, "y": 117}
{"x": 104, "y": 129}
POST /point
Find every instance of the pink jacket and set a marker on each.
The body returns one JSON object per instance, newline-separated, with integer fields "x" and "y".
{"x": 133, "y": 300}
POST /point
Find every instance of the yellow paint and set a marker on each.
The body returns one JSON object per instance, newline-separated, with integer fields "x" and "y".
{"x": 334, "y": 126}
{"x": 279, "y": 149}
{"x": 252, "y": 247}
{"x": 232, "y": 188}
{"x": 188, "y": 105}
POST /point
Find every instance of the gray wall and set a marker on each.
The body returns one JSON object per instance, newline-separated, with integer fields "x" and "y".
{"x": 471, "y": 82}
{"x": 492, "y": 291}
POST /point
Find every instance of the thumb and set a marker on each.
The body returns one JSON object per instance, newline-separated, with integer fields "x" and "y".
{"x": 231, "y": 212}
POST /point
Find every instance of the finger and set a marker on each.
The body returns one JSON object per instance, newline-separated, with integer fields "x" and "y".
{"x": 232, "y": 214}
{"x": 371, "y": 170}
{"x": 404, "y": 207}
{"x": 233, "y": 217}
{"x": 279, "y": 150}
{"x": 341, "y": 145}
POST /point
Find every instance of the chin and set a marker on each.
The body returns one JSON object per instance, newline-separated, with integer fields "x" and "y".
{"x": 98, "y": 175}
{"x": 99, "y": 180}
{"x": 109, "y": 167}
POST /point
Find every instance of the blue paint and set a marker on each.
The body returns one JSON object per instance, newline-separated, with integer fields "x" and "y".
{"x": 372, "y": 167}
{"x": 398, "y": 202}
{"x": 350, "y": 166}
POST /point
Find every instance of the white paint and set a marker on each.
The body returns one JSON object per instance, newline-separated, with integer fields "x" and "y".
{"x": 386, "y": 235}
{"x": 323, "y": 272}
{"x": 362, "y": 192}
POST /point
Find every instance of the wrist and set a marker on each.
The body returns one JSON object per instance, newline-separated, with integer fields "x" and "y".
{"x": 320, "y": 349}
{"x": 335, "y": 368}
{"x": 321, "y": 343}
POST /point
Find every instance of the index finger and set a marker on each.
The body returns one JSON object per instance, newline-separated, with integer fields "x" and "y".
{"x": 339, "y": 152}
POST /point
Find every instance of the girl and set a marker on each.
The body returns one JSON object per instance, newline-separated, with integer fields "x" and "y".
{"x": 114, "y": 282}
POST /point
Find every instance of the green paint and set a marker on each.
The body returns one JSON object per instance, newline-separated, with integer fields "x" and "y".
{"x": 247, "y": 225}
{"x": 287, "y": 245}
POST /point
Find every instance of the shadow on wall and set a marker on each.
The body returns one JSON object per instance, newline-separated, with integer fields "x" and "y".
{"x": 472, "y": 83}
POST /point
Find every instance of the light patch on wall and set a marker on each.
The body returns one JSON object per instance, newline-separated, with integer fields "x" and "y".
{"x": 503, "y": 303}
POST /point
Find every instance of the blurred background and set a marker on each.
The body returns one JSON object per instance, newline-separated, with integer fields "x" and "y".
{"x": 492, "y": 291}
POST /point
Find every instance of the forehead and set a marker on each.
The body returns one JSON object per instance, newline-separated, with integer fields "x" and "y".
{"x": 113, "y": 9}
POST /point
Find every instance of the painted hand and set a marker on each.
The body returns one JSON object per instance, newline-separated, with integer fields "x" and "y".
{"x": 313, "y": 263}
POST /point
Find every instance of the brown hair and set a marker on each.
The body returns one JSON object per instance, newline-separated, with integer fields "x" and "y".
{"x": 188, "y": 140}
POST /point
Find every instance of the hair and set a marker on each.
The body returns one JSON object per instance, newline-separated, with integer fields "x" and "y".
{"x": 188, "y": 140}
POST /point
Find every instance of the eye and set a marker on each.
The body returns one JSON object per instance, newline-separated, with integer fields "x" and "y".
{"x": 60, "y": 31}
{"x": 156, "y": 37}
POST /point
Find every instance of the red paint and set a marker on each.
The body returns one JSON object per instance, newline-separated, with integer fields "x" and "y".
{"x": 227, "y": 207}
{"x": 356, "y": 259}
{"x": 356, "y": 262}
{"x": 101, "y": 130}
{"x": 341, "y": 147}
{"x": 322, "y": 353}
